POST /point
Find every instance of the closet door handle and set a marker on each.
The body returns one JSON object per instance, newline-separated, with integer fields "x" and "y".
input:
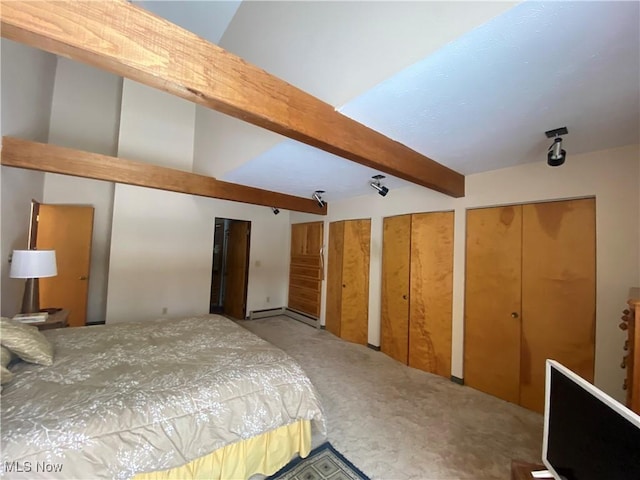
{"x": 514, "y": 315}
{"x": 404, "y": 297}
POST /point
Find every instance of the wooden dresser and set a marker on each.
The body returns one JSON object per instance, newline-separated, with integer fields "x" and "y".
{"x": 631, "y": 360}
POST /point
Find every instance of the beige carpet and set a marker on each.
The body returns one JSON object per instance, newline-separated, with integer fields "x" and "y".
{"x": 395, "y": 422}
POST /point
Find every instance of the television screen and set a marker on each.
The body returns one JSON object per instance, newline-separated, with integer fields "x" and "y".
{"x": 587, "y": 434}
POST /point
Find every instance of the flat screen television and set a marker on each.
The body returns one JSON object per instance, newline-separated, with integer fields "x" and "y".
{"x": 587, "y": 434}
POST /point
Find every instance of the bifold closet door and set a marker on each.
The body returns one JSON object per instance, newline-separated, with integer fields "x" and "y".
{"x": 431, "y": 295}
{"x": 417, "y": 290}
{"x": 396, "y": 262}
{"x": 333, "y": 309}
{"x": 529, "y": 295}
{"x": 355, "y": 281}
{"x": 348, "y": 280}
{"x": 558, "y": 292}
{"x": 492, "y": 327}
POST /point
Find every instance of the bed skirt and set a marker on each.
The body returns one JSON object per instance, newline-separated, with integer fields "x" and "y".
{"x": 264, "y": 454}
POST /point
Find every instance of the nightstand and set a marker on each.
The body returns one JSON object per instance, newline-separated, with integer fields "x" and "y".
{"x": 55, "y": 320}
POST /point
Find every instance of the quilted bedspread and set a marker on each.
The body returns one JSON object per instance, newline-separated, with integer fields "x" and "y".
{"x": 137, "y": 397}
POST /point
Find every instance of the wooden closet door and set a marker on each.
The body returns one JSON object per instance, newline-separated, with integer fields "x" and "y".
{"x": 558, "y": 292}
{"x": 305, "y": 268}
{"x": 355, "y": 281}
{"x": 333, "y": 314}
{"x": 431, "y": 292}
{"x": 492, "y": 300}
{"x": 396, "y": 261}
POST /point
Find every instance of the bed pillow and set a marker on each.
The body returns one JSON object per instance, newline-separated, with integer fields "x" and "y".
{"x": 26, "y": 342}
{"x": 5, "y": 373}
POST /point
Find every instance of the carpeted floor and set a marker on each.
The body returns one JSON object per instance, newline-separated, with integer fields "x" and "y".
{"x": 394, "y": 422}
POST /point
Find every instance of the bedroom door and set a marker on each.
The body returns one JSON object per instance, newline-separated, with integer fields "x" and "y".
{"x": 68, "y": 230}
{"x": 347, "y": 312}
{"x": 305, "y": 268}
{"x": 237, "y": 269}
{"x": 530, "y": 295}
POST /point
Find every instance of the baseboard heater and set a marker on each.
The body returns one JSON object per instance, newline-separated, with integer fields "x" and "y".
{"x": 265, "y": 313}
{"x": 302, "y": 317}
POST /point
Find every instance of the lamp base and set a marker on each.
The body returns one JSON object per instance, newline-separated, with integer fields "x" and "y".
{"x": 31, "y": 298}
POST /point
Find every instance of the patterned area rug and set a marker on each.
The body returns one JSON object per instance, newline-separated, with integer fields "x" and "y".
{"x": 323, "y": 463}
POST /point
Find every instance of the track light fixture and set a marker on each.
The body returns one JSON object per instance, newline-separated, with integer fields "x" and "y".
{"x": 376, "y": 185}
{"x": 275, "y": 210}
{"x": 317, "y": 196}
{"x": 556, "y": 155}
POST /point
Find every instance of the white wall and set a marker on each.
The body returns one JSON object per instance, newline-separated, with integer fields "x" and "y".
{"x": 85, "y": 114}
{"x": 611, "y": 175}
{"x": 162, "y": 242}
{"x": 27, "y": 86}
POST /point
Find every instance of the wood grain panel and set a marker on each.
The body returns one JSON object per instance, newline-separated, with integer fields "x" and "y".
{"x": 355, "y": 281}
{"x": 305, "y": 306}
{"x": 305, "y": 282}
{"x": 68, "y": 161}
{"x": 305, "y": 267}
{"x": 306, "y": 261}
{"x": 308, "y": 272}
{"x": 558, "y": 293}
{"x": 492, "y": 294}
{"x": 333, "y": 310}
{"x": 307, "y": 294}
{"x": 431, "y": 292}
{"x": 133, "y": 43}
{"x": 68, "y": 230}
{"x": 394, "y": 321}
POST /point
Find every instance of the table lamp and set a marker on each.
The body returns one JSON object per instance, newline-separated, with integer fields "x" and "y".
{"x": 32, "y": 265}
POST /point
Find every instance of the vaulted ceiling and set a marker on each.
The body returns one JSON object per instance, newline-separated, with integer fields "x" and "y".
{"x": 473, "y": 85}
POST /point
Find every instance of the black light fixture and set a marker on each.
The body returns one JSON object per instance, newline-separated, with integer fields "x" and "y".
{"x": 275, "y": 210}
{"x": 317, "y": 196}
{"x": 382, "y": 190}
{"x": 556, "y": 155}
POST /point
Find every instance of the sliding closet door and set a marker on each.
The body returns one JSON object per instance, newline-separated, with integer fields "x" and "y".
{"x": 492, "y": 327}
{"x": 558, "y": 292}
{"x": 334, "y": 278}
{"x": 396, "y": 261}
{"x": 431, "y": 292}
{"x": 355, "y": 281}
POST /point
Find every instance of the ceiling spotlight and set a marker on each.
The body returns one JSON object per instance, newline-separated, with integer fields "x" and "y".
{"x": 275, "y": 210}
{"x": 556, "y": 155}
{"x": 382, "y": 190}
{"x": 317, "y": 196}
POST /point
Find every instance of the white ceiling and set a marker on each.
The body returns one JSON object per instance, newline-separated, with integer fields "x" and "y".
{"x": 473, "y": 85}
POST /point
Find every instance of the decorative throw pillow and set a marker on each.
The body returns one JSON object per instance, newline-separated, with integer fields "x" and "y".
{"x": 5, "y": 373}
{"x": 26, "y": 342}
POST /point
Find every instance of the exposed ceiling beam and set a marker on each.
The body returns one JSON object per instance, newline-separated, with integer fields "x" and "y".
{"x": 67, "y": 161}
{"x": 131, "y": 42}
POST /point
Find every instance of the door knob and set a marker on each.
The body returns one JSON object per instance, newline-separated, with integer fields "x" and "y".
{"x": 404, "y": 297}
{"x": 83, "y": 277}
{"x": 514, "y": 315}
{"x": 344, "y": 286}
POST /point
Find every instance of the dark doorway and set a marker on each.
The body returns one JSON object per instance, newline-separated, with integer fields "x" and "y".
{"x": 230, "y": 269}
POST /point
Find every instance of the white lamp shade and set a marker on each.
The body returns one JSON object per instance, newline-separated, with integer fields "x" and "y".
{"x": 33, "y": 264}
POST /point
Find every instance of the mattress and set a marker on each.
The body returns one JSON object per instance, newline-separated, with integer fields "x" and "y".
{"x": 146, "y": 396}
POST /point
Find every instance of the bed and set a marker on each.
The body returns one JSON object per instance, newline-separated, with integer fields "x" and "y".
{"x": 157, "y": 399}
